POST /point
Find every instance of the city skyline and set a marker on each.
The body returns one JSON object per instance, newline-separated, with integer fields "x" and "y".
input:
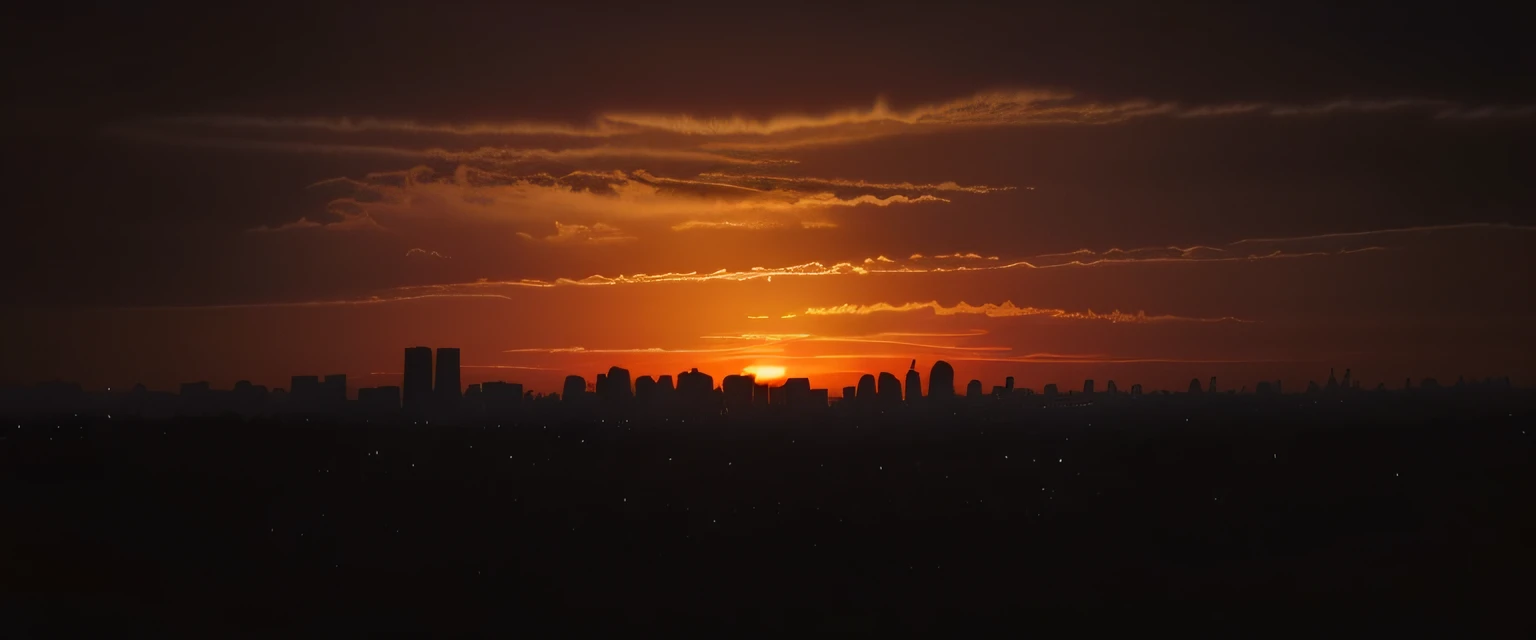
{"x": 430, "y": 387}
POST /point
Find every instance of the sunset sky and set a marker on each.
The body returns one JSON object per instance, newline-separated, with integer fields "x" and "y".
{"x": 1140, "y": 195}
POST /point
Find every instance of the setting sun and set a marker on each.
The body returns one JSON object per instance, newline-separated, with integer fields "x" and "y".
{"x": 764, "y": 372}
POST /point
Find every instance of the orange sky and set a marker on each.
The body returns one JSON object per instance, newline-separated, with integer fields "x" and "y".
{"x": 848, "y": 210}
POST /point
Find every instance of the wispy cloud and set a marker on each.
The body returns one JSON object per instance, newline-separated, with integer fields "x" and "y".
{"x": 765, "y": 182}
{"x": 1501, "y": 226}
{"x": 502, "y": 156}
{"x": 1005, "y": 310}
{"x": 732, "y": 140}
{"x": 597, "y": 233}
{"x": 1272, "y": 248}
{"x": 483, "y": 194}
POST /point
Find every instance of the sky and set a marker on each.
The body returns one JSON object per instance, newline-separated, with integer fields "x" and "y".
{"x": 1051, "y": 192}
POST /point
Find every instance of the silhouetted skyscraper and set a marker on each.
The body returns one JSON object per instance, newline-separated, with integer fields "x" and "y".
{"x": 738, "y": 393}
{"x": 446, "y": 385}
{"x": 797, "y": 394}
{"x": 1136, "y": 389}
{"x": 1194, "y": 385}
{"x": 866, "y": 391}
{"x": 973, "y": 390}
{"x": 417, "y": 388}
{"x": 1212, "y": 388}
{"x": 760, "y": 396}
{"x": 941, "y": 381}
{"x": 1050, "y": 390}
{"x": 645, "y": 392}
{"x": 1088, "y": 386}
{"x": 914, "y": 385}
{"x": 694, "y": 390}
{"x": 850, "y": 396}
{"x": 1333, "y": 383}
{"x": 888, "y": 391}
{"x": 1348, "y": 383}
{"x": 1109, "y": 388}
{"x": 619, "y": 391}
{"x": 1008, "y": 384}
{"x": 573, "y": 390}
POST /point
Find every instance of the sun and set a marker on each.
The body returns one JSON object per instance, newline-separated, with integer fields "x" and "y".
{"x": 764, "y": 372}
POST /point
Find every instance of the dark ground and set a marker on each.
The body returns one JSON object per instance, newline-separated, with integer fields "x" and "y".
{"x": 1388, "y": 513}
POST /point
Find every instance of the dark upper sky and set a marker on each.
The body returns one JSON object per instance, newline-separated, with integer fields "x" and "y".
{"x": 213, "y": 192}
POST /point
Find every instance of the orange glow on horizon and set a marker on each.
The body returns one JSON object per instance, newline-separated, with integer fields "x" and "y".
{"x": 765, "y": 372}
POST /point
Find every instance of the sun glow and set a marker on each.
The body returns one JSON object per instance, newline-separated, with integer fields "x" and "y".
{"x": 764, "y": 372}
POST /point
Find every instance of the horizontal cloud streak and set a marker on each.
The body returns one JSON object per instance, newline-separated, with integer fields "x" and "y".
{"x": 917, "y": 264}
{"x": 1005, "y": 310}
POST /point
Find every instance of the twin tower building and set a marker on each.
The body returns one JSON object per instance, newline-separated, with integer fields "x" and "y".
{"x": 423, "y": 394}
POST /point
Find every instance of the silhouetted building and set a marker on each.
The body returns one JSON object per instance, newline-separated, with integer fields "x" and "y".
{"x": 1050, "y": 391}
{"x": 666, "y": 392}
{"x": 1194, "y": 385}
{"x": 973, "y": 390}
{"x": 1088, "y": 386}
{"x": 866, "y": 391}
{"x": 333, "y": 392}
{"x": 1008, "y": 384}
{"x": 473, "y": 403}
{"x": 501, "y": 399}
{"x": 760, "y": 396}
{"x": 1348, "y": 383}
{"x": 819, "y": 399}
{"x": 941, "y": 381}
{"x": 619, "y": 391}
{"x": 738, "y": 393}
{"x": 379, "y": 400}
{"x": 1136, "y": 389}
{"x": 249, "y": 399}
{"x": 445, "y": 384}
{"x": 914, "y": 386}
{"x": 645, "y": 392}
{"x": 850, "y": 395}
{"x": 574, "y": 389}
{"x": 1109, "y": 388}
{"x": 1333, "y": 383}
{"x": 416, "y": 393}
{"x": 888, "y": 391}
{"x": 797, "y": 394}
{"x": 1212, "y": 388}
{"x": 304, "y": 393}
{"x": 695, "y": 391}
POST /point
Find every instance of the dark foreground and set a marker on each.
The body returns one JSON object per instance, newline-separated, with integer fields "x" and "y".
{"x": 1397, "y": 513}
